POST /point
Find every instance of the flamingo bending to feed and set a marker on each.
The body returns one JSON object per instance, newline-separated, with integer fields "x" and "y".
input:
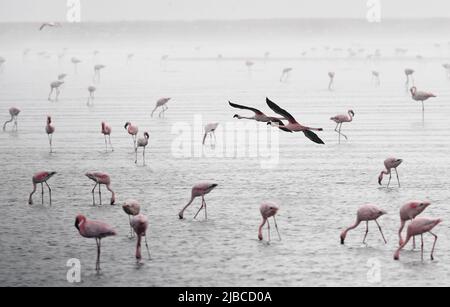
{"x": 421, "y": 96}
{"x": 366, "y": 213}
{"x": 55, "y": 86}
{"x": 389, "y": 164}
{"x": 293, "y": 125}
{"x": 106, "y": 131}
{"x": 101, "y": 178}
{"x": 419, "y": 226}
{"x": 340, "y": 119}
{"x": 268, "y": 209}
{"x": 133, "y": 131}
{"x": 41, "y": 177}
{"x": 142, "y": 142}
{"x": 139, "y": 223}
{"x": 161, "y": 103}
{"x": 94, "y": 229}
{"x": 199, "y": 190}
{"x": 50, "y": 129}
{"x": 409, "y": 212}
{"x": 210, "y": 129}
{"x": 14, "y": 113}
{"x": 131, "y": 208}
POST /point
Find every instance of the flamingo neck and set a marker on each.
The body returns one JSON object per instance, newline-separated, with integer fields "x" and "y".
{"x": 260, "y": 236}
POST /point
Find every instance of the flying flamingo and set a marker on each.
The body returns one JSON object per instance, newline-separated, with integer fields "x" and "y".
{"x": 268, "y": 209}
{"x": 420, "y": 96}
{"x": 339, "y": 120}
{"x": 14, "y": 113}
{"x": 41, "y": 177}
{"x": 50, "y": 129}
{"x": 101, "y": 178}
{"x": 142, "y": 142}
{"x": 409, "y": 76}
{"x": 91, "y": 90}
{"x": 210, "y": 129}
{"x": 55, "y": 86}
{"x": 409, "y": 212}
{"x": 259, "y": 116}
{"x": 162, "y": 102}
{"x": 133, "y": 131}
{"x": 97, "y": 69}
{"x": 106, "y": 131}
{"x": 285, "y": 74}
{"x": 131, "y": 208}
{"x": 75, "y": 61}
{"x": 366, "y": 213}
{"x": 331, "y": 76}
{"x": 293, "y": 125}
{"x": 389, "y": 164}
{"x": 139, "y": 223}
{"x": 94, "y": 229}
{"x": 419, "y": 226}
{"x": 198, "y": 190}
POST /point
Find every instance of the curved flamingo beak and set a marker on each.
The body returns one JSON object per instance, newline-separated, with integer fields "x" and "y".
{"x": 236, "y": 116}
{"x": 342, "y": 240}
{"x": 77, "y": 223}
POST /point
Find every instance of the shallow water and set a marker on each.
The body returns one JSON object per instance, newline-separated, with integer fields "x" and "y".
{"x": 318, "y": 188}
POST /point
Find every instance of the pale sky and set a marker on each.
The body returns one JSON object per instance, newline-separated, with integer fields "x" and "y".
{"x": 117, "y": 10}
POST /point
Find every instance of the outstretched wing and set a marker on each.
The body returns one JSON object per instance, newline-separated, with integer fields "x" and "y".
{"x": 238, "y": 106}
{"x": 280, "y": 111}
{"x": 313, "y": 137}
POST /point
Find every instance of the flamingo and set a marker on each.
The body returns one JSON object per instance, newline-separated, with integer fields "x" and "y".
{"x": 75, "y": 61}
{"x": 259, "y": 116}
{"x": 101, "y": 178}
{"x": 49, "y": 24}
{"x": 106, "y": 131}
{"x": 293, "y": 125}
{"x": 50, "y": 129}
{"x": 162, "y": 102}
{"x": 268, "y": 209}
{"x": 446, "y": 66}
{"x": 94, "y": 229}
{"x": 339, "y": 120}
{"x": 409, "y": 76}
{"x": 249, "y": 65}
{"x": 142, "y": 142}
{"x": 331, "y": 76}
{"x": 376, "y": 77}
{"x": 419, "y": 226}
{"x": 420, "y": 96}
{"x": 131, "y": 208}
{"x": 285, "y": 73}
{"x": 97, "y": 69}
{"x": 366, "y": 213}
{"x": 389, "y": 164}
{"x": 41, "y": 177}
{"x": 200, "y": 189}
{"x": 409, "y": 212}
{"x": 210, "y": 129}
{"x": 133, "y": 131}
{"x": 14, "y": 113}
{"x": 139, "y": 223}
{"x": 91, "y": 90}
{"x": 54, "y": 86}
{"x": 130, "y": 57}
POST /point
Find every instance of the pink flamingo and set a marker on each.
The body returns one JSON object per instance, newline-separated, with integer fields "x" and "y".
{"x": 50, "y": 129}
{"x": 131, "y": 208}
{"x": 421, "y": 96}
{"x": 366, "y": 213}
{"x": 161, "y": 103}
{"x": 101, "y": 178}
{"x": 139, "y": 223}
{"x": 389, "y": 164}
{"x": 94, "y": 229}
{"x": 408, "y": 212}
{"x": 268, "y": 209}
{"x": 41, "y": 177}
{"x": 142, "y": 142}
{"x": 55, "y": 86}
{"x": 340, "y": 119}
{"x": 419, "y": 226}
{"x": 211, "y": 130}
{"x": 198, "y": 190}
{"x": 293, "y": 125}
{"x": 133, "y": 131}
{"x": 14, "y": 113}
{"x": 106, "y": 131}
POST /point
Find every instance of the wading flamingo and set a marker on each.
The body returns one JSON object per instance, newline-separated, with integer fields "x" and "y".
{"x": 210, "y": 129}
{"x": 409, "y": 212}
{"x": 142, "y": 142}
{"x": 75, "y": 61}
{"x": 91, "y": 89}
{"x": 339, "y": 120}
{"x": 268, "y": 209}
{"x": 94, "y": 229}
{"x": 41, "y": 177}
{"x": 331, "y": 84}
{"x": 50, "y": 129}
{"x": 101, "y": 178}
{"x": 199, "y": 190}
{"x": 131, "y": 208}
{"x": 389, "y": 164}
{"x": 162, "y": 102}
{"x": 14, "y": 113}
{"x": 409, "y": 77}
{"x": 106, "y": 131}
{"x": 133, "y": 131}
{"x": 139, "y": 223}
{"x": 366, "y": 213}
{"x": 420, "y": 96}
{"x": 285, "y": 74}
{"x": 376, "y": 77}
{"x": 55, "y": 86}
{"x": 97, "y": 69}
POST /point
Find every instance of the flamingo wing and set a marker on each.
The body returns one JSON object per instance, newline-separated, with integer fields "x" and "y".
{"x": 313, "y": 137}
{"x": 280, "y": 124}
{"x": 280, "y": 111}
{"x": 256, "y": 111}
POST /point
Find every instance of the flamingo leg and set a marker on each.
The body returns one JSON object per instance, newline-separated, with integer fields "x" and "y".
{"x": 204, "y": 204}
{"x": 390, "y": 176}
{"x": 268, "y": 230}
{"x": 110, "y": 144}
{"x": 367, "y": 232}
{"x": 106, "y": 144}
{"x": 340, "y": 127}
{"x": 42, "y": 188}
{"x": 30, "y": 199}
{"x": 434, "y": 244}
{"x": 93, "y": 195}
{"x": 99, "y": 246}
{"x": 398, "y": 180}
{"x": 199, "y": 209}
{"x": 143, "y": 156}
{"x": 50, "y": 94}
{"x": 100, "y": 193}
{"x": 276, "y": 227}
{"x": 49, "y": 192}
{"x": 381, "y": 231}
{"x": 148, "y": 250}
{"x": 421, "y": 249}
{"x": 135, "y": 152}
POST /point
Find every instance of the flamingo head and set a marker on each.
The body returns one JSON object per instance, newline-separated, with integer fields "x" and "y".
{"x": 351, "y": 112}
{"x": 413, "y": 90}
{"x": 236, "y": 116}
{"x": 91, "y": 176}
{"x": 49, "y": 119}
{"x": 103, "y": 125}
{"x": 78, "y": 220}
{"x": 127, "y": 124}
{"x": 380, "y": 178}
{"x": 343, "y": 236}
{"x": 146, "y": 135}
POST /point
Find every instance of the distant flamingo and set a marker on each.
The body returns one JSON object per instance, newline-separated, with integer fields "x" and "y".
{"x": 130, "y": 57}
{"x": 93, "y": 229}
{"x": 419, "y": 226}
{"x": 97, "y": 69}
{"x": 409, "y": 212}
{"x": 55, "y": 86}
{"x": 142, "y": 142}
{"x": 331, "y": 84}
{"x": 420, "y": 96}
{"x": 131, "y": 208}
{"x": 268, "y": 209}
{"x": 106, "y": 131}
{"x": 376, "y": 77}
{"x": 41, "y": 177}
{"x": 50, "y": 129}
{"x": 285, "y": 74}
{"x": 198, "y": 190}
{"x": 249, "y": 65}
{"x": 339, "y": 120}
{"x": 447, "y": 69}
{"x": 75, "y": 61}
{"x": 133, "y": 131}
{"x": 210, "y": 129}
{"x": 389, "y": 164}
{"x": 139, "y": 223}
{"x": 14, "y": 113}
{"x": 49, "y": 24}
{"x": 62, "y": 76}
{"x": 2, "y": 61}
{"x": 91, "y": 90}
{"x": 162, "y": 102}
{"x": 409, "y": 77}
{"x": 101, "y": 178}
{"x": 366, "y": 213}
